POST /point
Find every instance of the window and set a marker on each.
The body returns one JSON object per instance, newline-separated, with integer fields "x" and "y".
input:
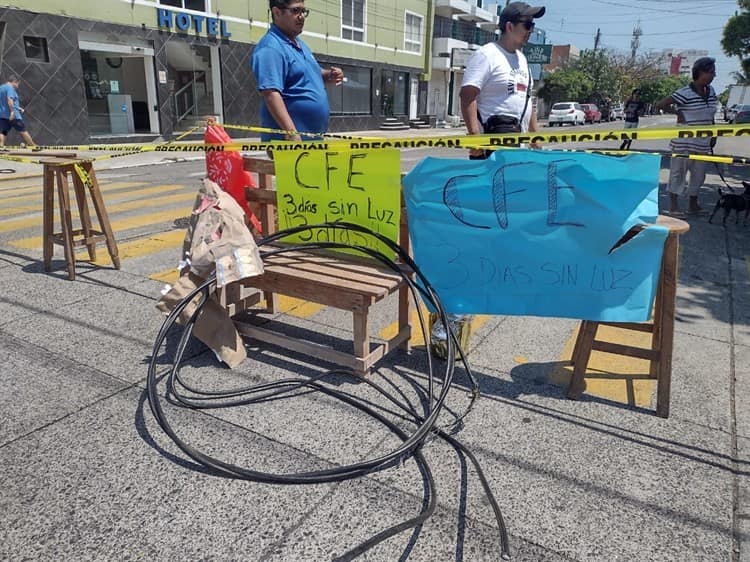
{"x": 353, "y": 19}
{"x": 196, "y": 5}
{"x": 413, "y": 32}
{"x": 36, "y": 48}
{"x": 352, "y": 96}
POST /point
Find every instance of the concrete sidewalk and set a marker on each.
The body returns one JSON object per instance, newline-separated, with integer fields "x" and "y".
{"x": 88, "y": 475}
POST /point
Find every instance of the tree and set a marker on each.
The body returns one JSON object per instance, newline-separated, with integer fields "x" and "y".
{"x": 661, "y": 86}
{"x": 736, "y": 40}
{"x": 565, "y": 84}
{"x": 606, "y": 78}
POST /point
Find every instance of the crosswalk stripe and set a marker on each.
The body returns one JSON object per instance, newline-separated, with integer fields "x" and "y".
{"x": 129, "y": 205}
{"x": 140, "y": 247}
{"x": 35, "y": 242}
{"x": 35, "y": 192}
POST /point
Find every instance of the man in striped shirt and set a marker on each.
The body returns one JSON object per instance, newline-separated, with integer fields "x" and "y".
{"x": 695, "y": 104}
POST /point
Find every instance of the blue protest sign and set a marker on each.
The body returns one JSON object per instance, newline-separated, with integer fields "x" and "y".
{"x": 532, "y": 232}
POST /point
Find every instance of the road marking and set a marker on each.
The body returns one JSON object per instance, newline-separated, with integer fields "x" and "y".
{"x": 747, "y": 265}
{"x": 35, "y": 221}
{"x": 35, "y": 192}
{"x": 417, "y": 337}
{"x": 138, "y": 248}
{"x": 287, "y": 305}
{"x": 35, "y": 242}
{"x": 609, "y": 376}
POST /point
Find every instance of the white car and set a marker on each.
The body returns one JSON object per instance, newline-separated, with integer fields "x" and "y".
{"x": 618, "y": 112}
{"x": 566, "y": 112}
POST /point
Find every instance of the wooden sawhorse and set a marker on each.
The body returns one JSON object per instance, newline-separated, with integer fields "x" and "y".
{"x": 661, "y": 328}
{"x": 56, "y": 172}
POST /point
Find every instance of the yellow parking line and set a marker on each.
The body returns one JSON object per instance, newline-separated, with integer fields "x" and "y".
{"x": 609, "y": 376}
{"x": 35, "y": 192}
{"x": 35, "y": 221}
{"x": 111, "y": 208}
{"x": 288, "y": 305}
{"x": 168, "y": 276}
{"x": 141, "y": 247}
{"x": 417, "y": 337}
{"x": 35, "y": 242}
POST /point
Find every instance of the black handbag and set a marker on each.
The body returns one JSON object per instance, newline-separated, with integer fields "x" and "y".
{"x": 498, "y": 124}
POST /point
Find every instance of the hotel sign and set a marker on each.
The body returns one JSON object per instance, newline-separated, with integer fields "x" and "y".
{"x": 182, "y": 21}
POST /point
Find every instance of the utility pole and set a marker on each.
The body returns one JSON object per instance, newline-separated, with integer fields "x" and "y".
{"x": 635, "y": 42}
{"x": 597, "y": 38}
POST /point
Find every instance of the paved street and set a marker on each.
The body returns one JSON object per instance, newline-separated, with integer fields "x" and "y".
{"x": 88, "y": 475}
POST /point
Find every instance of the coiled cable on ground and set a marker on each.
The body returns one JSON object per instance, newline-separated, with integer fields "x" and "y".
{"x": 179, "y": 392}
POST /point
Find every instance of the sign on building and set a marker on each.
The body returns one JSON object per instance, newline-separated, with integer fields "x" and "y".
{"x": 540, "y": 54}
{"x": 460, "y": 57}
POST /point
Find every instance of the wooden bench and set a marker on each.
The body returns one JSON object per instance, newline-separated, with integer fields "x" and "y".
{"x": 349, "y": 283}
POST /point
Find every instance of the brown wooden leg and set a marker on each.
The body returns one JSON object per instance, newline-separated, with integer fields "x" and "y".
{"x": 48, "y": 213}
{"x": 83, "y": 213}
{"x": 654, "y": 365}
{"x": 581, "y": 355}
{"x": 665, "y": 322}
{"x": 268, "y": 219}
{"x": 66, "y": 221}
{"x": 361, "y": 335}
{"x": 101, "y": 214}
{"x": 403, "y": 315}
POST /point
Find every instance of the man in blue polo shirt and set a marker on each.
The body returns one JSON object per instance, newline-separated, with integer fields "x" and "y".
{"x": 11, "y": 112}
{"x": 289, "y": 78}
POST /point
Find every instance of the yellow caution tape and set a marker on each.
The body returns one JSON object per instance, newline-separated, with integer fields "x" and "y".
{"x": 342, "y": 142}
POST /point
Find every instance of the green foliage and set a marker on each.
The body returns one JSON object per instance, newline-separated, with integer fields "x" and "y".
{"x": 736, "y": 40}
{"x": 606, "y": 78}
{"x": 661, "y": 86}
{"x": 565, "y": 84}
{"x": 602, "y": 77}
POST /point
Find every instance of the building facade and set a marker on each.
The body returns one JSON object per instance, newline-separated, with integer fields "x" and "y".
{"x": 679, "y": 62}
{"x": 139, "y": 69}
{"x": 460, "y": 28}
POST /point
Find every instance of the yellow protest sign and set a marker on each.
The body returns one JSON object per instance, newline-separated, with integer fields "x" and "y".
{"x": 357, "y": 186}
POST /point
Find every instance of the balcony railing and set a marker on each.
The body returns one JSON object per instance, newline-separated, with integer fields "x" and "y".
{"x": 462, "y": 31}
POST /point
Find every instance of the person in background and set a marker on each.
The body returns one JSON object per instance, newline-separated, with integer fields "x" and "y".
{"x": 496, "y": 87}
{"x": 11, "y": 112}
{"x": 289, "y": 78}
{"x": 695, "y": 104}
{"x": 633, "y": 110}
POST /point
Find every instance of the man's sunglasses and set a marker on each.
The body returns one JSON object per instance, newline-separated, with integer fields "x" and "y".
{"x": 297, "y": 11}
{"x": 529, "y": 25}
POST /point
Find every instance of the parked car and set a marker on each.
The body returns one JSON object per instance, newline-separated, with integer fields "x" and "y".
{"x": 729, "y": 113}
{"x": 618, "y": 112}
{"x": 741, "y": 114}
{"x": 591, "y": 113}
{"x": 566, "y": 112}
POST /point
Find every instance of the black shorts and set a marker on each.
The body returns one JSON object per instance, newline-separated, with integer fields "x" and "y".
{"x": 6, "y": 125}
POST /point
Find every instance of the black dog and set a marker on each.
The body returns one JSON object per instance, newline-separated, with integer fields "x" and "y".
{"x": 733, "y": 202}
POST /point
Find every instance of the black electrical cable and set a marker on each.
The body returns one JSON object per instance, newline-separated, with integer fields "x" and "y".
{"x": 411, "y": 446}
